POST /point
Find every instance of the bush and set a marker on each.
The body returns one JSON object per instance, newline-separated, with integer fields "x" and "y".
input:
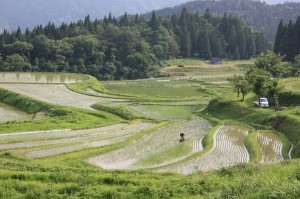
{"x": 54, "y": 112}
{"x": 146, "y": 192}
{"x": 289, "y": 99}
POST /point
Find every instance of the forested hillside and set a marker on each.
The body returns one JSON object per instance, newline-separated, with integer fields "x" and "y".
{"x": 30, "y": 13}
{"x": 287, "y": 40}
{"x": 129, "y": 48}
{"x": 259, "y": 14}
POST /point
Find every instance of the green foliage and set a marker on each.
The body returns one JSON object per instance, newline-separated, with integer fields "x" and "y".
{"x": 259, "y": 80}
{"x": 272, "y": 63}
{"x": 262, "y": 16}
{"x": 230, "y": 110}
{"x": 288, "y": 98}
{"x": 130, "y": 48}
{"x": 240, "y": 84}
{"x": 287, "y": 41}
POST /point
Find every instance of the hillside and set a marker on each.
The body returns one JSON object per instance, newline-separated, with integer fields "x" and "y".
{"x": 259, "y": 14}
{"x": 128, "y": 48}
{"x": 31, "y": 13}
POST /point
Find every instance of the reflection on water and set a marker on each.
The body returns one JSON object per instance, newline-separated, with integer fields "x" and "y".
{"x": 50, "y": 78}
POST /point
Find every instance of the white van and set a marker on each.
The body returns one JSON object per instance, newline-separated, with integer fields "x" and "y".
{"x": 263, "y": 102}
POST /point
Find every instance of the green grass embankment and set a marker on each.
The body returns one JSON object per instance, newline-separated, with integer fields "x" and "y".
{"x": 26, "y": 104}
{"x": 91, "y": 82}
{"x": 120, "y": 111}
{"x": 39, "y": 179}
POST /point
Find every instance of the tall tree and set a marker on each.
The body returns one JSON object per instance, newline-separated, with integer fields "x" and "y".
{"x": 154, "y": 21}
{"x": 279, "y": 37}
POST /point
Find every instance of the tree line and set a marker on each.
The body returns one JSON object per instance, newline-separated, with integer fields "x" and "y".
{"x": 129, "y": 47}
{"x": 259, "y": 14}
{"x": 287, "y": 40}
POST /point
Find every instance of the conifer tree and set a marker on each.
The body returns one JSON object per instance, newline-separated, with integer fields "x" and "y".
{"x": 204, "y": 46}
{"x": 279, "y": 37}
{"x": 236, "y": 54}
{"x": 154, "y": 21}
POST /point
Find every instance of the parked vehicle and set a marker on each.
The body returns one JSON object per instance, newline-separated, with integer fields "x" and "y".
{"x": 263, "y": 102}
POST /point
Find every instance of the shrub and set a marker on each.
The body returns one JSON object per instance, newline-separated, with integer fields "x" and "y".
{"x": 289, "y": 98}
{"x": 146, "y": 192}
{"x": 54, "y": 112}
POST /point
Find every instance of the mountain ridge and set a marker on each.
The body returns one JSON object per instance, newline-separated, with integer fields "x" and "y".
{"x": 31, "y": 13}
{"x": 259, "y": 14}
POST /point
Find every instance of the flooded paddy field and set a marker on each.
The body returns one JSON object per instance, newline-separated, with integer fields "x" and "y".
{"x": 228, "y": 150}
{"x": 46, "y": 78}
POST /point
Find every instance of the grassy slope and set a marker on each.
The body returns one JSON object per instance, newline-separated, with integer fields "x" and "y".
{"x": 29, "y": 179}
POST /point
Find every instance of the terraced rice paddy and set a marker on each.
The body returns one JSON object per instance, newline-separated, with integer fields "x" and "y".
{"x": 168, "y": 100}
{"x": 172, "y": 89}
{"x": 57, "y": 94}
{"x": 172, "y": 113}
{"x": 271, "y": 147}
{"x": 9, "y": 113}
{"x": 228, "y": 150}
{"x": 157, "y": 148}
{"x": 65, "y": 141}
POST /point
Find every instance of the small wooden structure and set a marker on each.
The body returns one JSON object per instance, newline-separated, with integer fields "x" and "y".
{"x": 216, "y": 60}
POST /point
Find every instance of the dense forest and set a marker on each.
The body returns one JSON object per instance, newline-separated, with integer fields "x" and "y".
{"x": 287, "y": 40}
{"x": 259, "y": 14}
{"x": 127, "y": 48}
